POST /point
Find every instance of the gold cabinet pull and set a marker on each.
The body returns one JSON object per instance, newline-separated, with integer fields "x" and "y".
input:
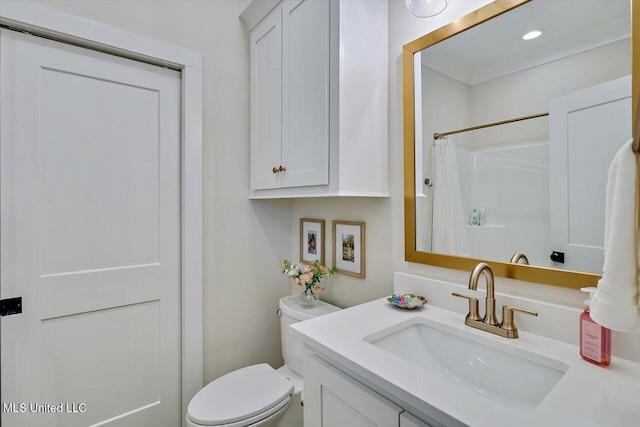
{"x": 275, "y": 169}
{"x": 282, "y": 169}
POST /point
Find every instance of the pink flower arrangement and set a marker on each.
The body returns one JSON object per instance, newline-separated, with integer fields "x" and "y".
{"x": 308, "y": 276}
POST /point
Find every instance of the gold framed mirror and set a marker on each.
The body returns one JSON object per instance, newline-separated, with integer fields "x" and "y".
{"x": 414, "y": 175}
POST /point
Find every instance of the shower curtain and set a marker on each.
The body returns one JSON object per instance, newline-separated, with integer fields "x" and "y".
{"x": 449, "y": 225}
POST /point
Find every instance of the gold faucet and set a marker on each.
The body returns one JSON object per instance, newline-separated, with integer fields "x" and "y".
{"x": 519, "y": 256}
{"x": 489, "y": 322}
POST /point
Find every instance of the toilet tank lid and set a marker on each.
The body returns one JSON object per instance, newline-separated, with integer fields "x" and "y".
{"x": 239, "y": 395}
{"x": 291, "y": 307}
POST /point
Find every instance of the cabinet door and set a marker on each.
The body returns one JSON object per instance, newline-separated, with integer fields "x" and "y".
{"x": 266, "y": 102}
{"x": 305, "y": 139}
{"x": 408, "y": 420}
{"x": 332, "y": 398}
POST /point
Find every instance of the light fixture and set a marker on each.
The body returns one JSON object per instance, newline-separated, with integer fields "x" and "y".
{"x": 532, "y": 35}
{"x": 426, "y": 8}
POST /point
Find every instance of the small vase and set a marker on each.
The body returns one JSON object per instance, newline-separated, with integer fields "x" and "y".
{"x": 308, "y": 297}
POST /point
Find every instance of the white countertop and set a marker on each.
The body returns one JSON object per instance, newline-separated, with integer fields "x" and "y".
{"x": 586, "y": 395}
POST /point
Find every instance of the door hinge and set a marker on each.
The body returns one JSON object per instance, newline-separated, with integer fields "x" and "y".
{"x": 9, "y": 306}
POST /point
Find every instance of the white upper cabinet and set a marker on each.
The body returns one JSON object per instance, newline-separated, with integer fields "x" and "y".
{"x": 319, "y": 105}
{"x": 266, "y": 102}
{"x": 305, "y": 93}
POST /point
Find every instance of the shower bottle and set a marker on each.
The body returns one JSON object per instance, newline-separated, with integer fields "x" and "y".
{"x": 475, "y": 218}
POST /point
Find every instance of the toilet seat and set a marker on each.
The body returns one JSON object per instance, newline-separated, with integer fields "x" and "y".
{"x": 240, "y": 398}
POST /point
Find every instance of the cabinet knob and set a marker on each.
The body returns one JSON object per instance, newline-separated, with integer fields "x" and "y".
{"x": 282, "y": 169}
{"x": 275, "y": 169}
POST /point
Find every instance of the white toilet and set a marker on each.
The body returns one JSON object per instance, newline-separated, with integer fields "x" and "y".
{"x": 258, "y": 395}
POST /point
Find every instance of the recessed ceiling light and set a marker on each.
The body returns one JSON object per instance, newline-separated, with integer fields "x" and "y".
{"x": 532, "y": 35}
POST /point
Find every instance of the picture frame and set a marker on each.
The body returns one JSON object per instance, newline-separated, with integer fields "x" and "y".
{"x": 348, "y": 256}
{"x": 311, "y": 240}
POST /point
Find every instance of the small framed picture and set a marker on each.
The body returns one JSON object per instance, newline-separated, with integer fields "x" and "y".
{"x": 348, "y": 247}
{"x": 311, "y": 240}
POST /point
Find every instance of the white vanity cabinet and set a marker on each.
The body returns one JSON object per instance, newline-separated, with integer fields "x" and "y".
{"x": 332, "y": 398}
{"x": 408, "y": 420}
{"x": 318, "y": 98}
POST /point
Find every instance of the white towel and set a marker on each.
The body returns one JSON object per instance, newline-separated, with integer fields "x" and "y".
{"x": 615, "y": 303}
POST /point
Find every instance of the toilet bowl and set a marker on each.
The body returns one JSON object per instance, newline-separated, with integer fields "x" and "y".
{"x": 258, "y": 395}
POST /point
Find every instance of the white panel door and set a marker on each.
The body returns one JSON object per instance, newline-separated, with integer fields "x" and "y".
{"x": 266, "y": 102}
{"x": 586, "y": 129}
{"x": 90, "y": 233}
{"x": 305, "y": 83}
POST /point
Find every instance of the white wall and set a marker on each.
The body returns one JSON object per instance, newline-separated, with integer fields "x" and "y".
{"x": 529, "y": 91}
{"x": 446, "y": 106}
{"x": 244, "y": 240}
{"x": 343, "y": 290}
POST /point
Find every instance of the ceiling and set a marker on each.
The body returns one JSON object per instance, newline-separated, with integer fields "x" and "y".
{"x": 496, "y": 49}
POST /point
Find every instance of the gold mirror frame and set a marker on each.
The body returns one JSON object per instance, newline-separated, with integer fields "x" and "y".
{"x": 544, "y": 275}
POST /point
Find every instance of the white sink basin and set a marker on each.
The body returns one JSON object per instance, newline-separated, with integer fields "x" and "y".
{"x": 497, "y": 369}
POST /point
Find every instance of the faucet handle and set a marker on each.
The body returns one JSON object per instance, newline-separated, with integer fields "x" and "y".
{"x": 473, "y": 306}
{"x": 507, "y": 318}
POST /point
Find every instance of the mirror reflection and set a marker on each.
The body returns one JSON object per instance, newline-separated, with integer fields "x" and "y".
{"x": 527, "y": 127}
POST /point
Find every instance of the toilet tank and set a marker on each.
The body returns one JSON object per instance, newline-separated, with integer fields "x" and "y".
{"x": 291, "y": 311}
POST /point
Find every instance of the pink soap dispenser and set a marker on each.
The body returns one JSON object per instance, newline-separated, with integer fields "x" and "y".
{"x": 595, "y": 340}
